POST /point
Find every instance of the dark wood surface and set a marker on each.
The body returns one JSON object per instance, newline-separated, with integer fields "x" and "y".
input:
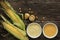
{"x": 42, "y": 8}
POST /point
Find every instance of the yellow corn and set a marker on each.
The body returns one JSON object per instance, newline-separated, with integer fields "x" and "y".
{"x": 10, "y": 12}
{"x": 23, "y": 32}
{"x": 14, "y": 31}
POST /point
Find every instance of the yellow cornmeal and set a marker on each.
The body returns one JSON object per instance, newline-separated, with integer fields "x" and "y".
{"x": 50, "y": 30}
{"x": 34, "y": 30}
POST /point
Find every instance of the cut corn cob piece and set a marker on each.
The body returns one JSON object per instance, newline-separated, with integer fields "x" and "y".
{"x": 11, "y": 13}
{"x": 23, "y": 32}
{"x": 14, "y": 31}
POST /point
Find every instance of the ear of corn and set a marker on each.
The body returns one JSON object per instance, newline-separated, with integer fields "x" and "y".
{"x": 11, "y": 13}
{"x": 18, "y": 34}
{"x": 23, "y": 32}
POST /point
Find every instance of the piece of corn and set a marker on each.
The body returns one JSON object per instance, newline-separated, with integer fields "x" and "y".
{"x": 14, "y": 31}
{"x": 23, "y": 32}
{"x": 11, "y": 13}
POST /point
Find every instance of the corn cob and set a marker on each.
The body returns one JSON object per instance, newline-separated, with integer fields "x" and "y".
{"x": 11, "y": 13}
{"x": 23, "y": 32}
{"x": 14, "y": 31}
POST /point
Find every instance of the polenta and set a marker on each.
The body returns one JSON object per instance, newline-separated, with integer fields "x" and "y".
{"x": 50, "y": 30}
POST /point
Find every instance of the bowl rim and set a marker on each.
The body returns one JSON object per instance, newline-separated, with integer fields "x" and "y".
{"x": 37, "y": 35}
{"x": 53, "y": 35}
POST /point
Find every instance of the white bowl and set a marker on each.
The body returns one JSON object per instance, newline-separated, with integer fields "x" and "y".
{"x": 33, "y": 32}
{"x": 53, "y": 35}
